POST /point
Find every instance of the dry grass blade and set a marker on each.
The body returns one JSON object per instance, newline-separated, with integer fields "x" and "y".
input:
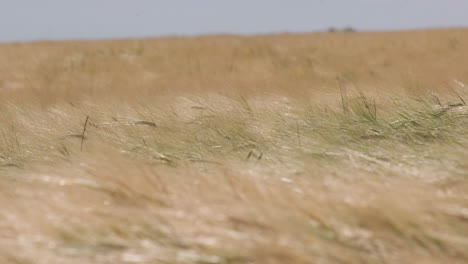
{"x": 146, "y": 123}
{"x": 83, "y": 133}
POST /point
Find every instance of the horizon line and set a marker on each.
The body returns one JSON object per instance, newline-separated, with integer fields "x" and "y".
{"x": 336, "y": 30}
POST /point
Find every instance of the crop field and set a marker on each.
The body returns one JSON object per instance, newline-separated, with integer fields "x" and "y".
{"x": 272, "y": 149}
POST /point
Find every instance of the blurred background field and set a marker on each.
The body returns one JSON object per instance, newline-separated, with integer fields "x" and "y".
{"x": 295, "y": 65}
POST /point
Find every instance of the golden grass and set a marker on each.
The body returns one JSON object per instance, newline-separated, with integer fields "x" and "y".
{"x": 313, "y": 148}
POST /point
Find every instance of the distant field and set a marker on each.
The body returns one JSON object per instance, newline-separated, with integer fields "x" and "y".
{"x": 293, "y": 148}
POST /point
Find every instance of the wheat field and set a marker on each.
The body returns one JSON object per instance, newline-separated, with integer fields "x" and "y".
{"x": 290, "y": 148}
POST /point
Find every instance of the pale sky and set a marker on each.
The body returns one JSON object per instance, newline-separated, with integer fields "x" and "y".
{"x": 23, "y": 20}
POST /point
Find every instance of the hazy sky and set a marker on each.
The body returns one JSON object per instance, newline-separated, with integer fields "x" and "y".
{"x": 85, "y": 19}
